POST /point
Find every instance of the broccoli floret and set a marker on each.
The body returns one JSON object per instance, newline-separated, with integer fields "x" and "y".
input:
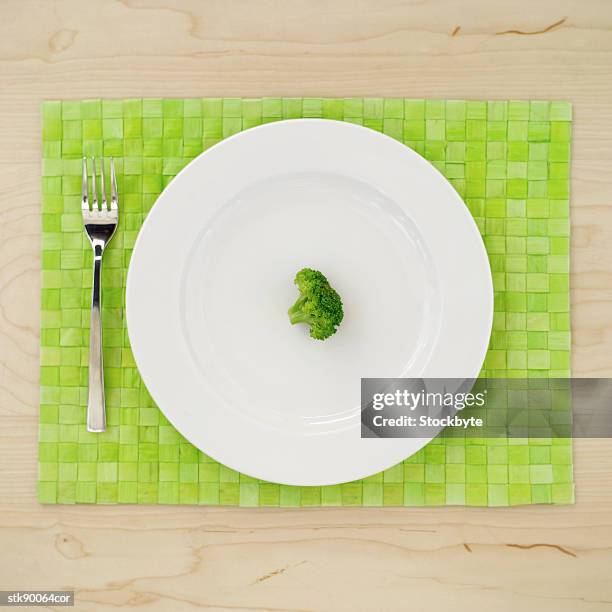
{"x": 319, "y": 305}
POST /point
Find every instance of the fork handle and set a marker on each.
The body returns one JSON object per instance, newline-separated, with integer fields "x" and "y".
{"x": 96, "y": 413}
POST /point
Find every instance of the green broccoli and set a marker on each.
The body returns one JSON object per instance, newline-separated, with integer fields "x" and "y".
{"x": 319, "y": 305}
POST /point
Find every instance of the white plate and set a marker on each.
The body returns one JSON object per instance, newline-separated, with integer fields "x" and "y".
{"x": 211, "y": 279}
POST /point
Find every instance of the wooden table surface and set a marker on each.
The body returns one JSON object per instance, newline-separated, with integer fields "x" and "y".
{"x": 173, "y": 558}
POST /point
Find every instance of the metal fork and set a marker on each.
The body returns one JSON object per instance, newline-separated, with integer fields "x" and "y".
{"x": 100, "y": 219}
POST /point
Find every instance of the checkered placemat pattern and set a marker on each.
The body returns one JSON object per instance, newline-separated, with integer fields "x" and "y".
{"x": 509, "y": 160}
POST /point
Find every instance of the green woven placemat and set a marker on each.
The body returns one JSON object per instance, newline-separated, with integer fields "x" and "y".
{"x": 509, "y": 160}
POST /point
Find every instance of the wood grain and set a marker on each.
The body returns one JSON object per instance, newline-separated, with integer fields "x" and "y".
{"x": 175, "y": 558}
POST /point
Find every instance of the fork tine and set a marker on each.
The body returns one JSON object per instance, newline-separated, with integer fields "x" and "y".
{"x": 113, "y": 182}
{"x": 103, "y": 185}
{"x": 85, "y": 190}
{"x": 94, "y": 191}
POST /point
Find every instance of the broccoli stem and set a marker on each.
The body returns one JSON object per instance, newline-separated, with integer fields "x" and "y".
{"x": 295, "y": 312}
{"x": 299, "y": 317}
